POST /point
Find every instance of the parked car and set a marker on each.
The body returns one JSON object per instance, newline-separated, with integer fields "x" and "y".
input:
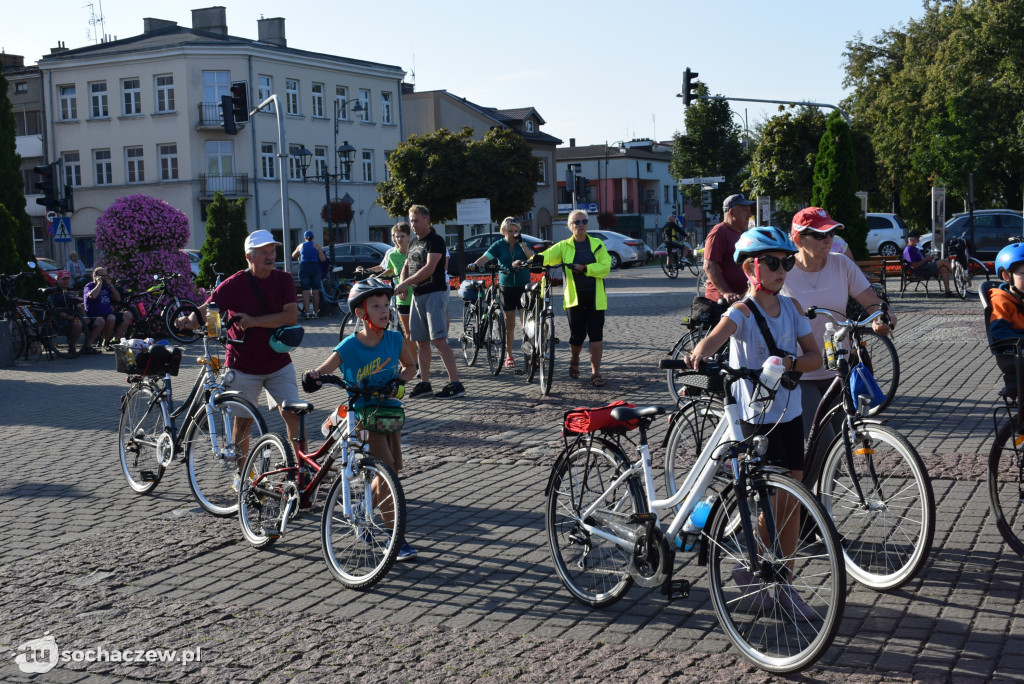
{"x": 991, "y": 231}
{"x": 348, "y": 256}
{"x": 887, "y": 234}
{"x": 476, "y": 245}
{"x": 193, "y": 260}
{"x": 49, "y": 268}
{"x": 624, "y": 250}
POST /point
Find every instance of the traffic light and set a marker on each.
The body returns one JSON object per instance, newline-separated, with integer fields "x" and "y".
{"x": 68, "y": 203}
{"x": 689, "y": 86}
{"x": 581, "y": 187}
{"x": 240, "y": 101}
{"x": 47, "y": 187}
{"x": 228, "y": 115}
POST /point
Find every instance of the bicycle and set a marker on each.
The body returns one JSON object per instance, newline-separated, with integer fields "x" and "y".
{"x": 604, "y": 531}
{"x": 483, "y": 320}
{"x": 156, "y": 319}
{"x": 679, "y": 255}
{"x": 334, "y": 293}
{"x": 964, "y": 267}
{"x": 349, "y": 323}
{"x": 704, "y": 315}
{"x": 539, "y": 328}
{"x": 870, "y": 480}
{"x": 219, "y": 425}
{"x": 34, "y": 327}
{"x": 359, "y": 542}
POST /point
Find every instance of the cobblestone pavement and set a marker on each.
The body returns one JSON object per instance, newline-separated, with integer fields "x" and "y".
{"x": 90, "y": 564}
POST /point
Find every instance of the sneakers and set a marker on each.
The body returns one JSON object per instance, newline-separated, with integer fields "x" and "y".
{"x": 950, "y": 294}
{"x": 793, "y": 604}
{"x": 406, "y": 553}
{"x": 452, "y": 389}
{"x": 420, "y": 389}
{"x": 756, "y": 598}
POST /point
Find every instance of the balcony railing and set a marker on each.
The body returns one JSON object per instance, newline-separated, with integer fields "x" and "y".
{"x": 210, "y": 115}
{"x": 231, "y": 186}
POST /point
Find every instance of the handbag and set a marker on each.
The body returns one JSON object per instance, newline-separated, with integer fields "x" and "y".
{"x": 382, "y": 419}
{"x": 863, "y": 384}
{"x": 285, "y": 338}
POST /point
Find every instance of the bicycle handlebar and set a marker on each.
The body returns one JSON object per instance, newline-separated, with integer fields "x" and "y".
{"x": 309, "y": 385}
{"x": 846, "y": 326}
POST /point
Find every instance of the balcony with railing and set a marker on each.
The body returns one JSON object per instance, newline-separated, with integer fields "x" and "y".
{"x": 231, "y": 186}
{"x": 210, "y": 115}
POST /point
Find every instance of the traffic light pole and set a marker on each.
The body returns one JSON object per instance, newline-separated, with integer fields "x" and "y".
{"x": 785, "y": 102}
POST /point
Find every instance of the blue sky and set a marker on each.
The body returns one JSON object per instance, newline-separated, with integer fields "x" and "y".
{"x": 596, "y": 71}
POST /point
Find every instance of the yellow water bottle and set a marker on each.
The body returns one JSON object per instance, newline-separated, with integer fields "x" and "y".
{"x": 213, "y": 320}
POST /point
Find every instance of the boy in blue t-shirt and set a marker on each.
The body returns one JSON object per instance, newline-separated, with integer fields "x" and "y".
{"x": 373, "y": 358}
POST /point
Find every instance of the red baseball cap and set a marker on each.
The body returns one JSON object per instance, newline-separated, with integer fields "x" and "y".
{"x": 63, "y": 274}
{"x": 814, "y": 218}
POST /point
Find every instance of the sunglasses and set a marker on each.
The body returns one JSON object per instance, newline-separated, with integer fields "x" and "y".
{"x": 513, "y": 220}
{"x": 581, "y": 222}
{"x": 773, "y": 263}
{"x": 819, "y": 236}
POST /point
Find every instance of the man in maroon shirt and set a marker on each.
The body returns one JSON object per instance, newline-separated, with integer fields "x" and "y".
{"x": 725, "y": 277}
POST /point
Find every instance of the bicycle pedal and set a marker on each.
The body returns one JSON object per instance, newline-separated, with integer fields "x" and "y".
{"x": 673, "y": 589}
{"x": 149, "y": 476}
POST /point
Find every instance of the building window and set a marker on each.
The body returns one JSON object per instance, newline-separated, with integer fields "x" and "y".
{"x": 364, "y": 98}
{"x": 264, "y": 89}
{"x": 27, "y": 123}
{"x": 131, "y": 96}
{"x": 320, "y": 161}
{"x": 318, "y": 100}
{"x": 294, "y": 167}
{"x": 133, "y": 165}
{"x": 72, "y": 168}
{"x": 650, "y": 167}
{"x": 542, "y": 168}
{"x": 528, "y": 125}
{"x": 291, "y": 96}
{"x": 340, "y": 95}
{"x": 268, "y": 155}
{"x": 216, "y": 84}
{"x": 165, "y": 93}
{"x": 220, "y": 166}
{"x": 98, "y": 100}
{"x": 68, "y": 103}
{"x": 104, "y": 172}
{"x": 168, "y": 161}
{"x": 21, "y": 88}
{"x": 368, "y": 166}
{"x": 385, "y": 108}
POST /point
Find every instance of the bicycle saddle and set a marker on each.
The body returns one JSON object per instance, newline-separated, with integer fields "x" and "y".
{"x": 625, "y": 413}
{"x": 299, "y": 408}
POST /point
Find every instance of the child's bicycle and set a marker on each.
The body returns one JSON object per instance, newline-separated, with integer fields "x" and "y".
{"x": 779, "y": 601}
{"x": 363, "y": 522}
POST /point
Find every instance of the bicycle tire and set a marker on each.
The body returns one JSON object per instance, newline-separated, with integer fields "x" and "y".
{"x": 1006, "y": 486}
{"x": 494, "y": 339}
{"x": 547, "y": 353}
{"x": 690, "y": 429}
{"x": 470, "y": 333}
{"x": 172, "y": 313}
{"x": 683, "y": 346}
{"x": 594, "y": 570}
{"x": 58, "y": 339}
{"x": 694, "y": 267}
{"x": 349, "y": 325}
{"x": 774, "y": 635}
{"x": 670, "y": 266}
{"x": 885, "y": 545}
{"x": 259, "y": 512}
{"x": 19, "y": 338}
{"x": 959, "y": 278}
{"x": 35, "y": 342}
{"x": 361, "y": 548}
{"x": 531, "y": 358}
{"x": 878, "y": 353}
{"x": 210, "y": 473}
{"x": 139, "y": 439}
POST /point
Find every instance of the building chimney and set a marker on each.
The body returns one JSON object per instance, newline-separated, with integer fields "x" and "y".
{"x": 59, "y": 49}
{"x": 211, "y": 20}
{"x": 150, "y": 25}
{"x": 272, "y": 31}
{"x": 572, "y": 142}
{"x": 12, "y": 61}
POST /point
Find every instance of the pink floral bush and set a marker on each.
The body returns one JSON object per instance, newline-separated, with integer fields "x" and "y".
{"x": 142, "y": 236}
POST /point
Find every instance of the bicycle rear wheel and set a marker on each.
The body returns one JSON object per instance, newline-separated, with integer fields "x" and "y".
{"x": 494, "y": 338}
{"x": 143, "y": 444}
{"x": 470, "y": 333}
{"x": 1006, "y": 485}
{"x": 878, "y": 353}
{"x": 547, "y": 353}
{"x": 783, "y": 613}
{"x": 670, "y": 265}
{"x": 19, "y": 338}
{"x": 887, "y": 537}
{"x": 211, "y": 472}
{"x": 694, "y": 267}
{"x": 593, "y": 569}
{"x": 262, "y": 492}
{"x": 360, "y": 546}
{"x": 960, "y": 279}
{"x": 59, "y": 340}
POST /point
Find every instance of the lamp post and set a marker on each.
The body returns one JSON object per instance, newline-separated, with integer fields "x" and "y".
{"x": 345, "y": 157}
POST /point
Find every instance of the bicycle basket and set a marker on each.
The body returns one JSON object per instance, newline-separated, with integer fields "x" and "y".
{"x": 701, "y": 381}
{"x": 146, "y": 362}
{"x": 583, "y": 420}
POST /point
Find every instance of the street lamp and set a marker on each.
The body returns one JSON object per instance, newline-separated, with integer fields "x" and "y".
{"x": 345, "y": 156}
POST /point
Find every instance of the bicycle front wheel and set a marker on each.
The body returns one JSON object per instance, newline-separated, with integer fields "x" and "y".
{"x": 1006, "y": 485}
{"x": 143, "y": 444}
{"x": 360, "y": 544}
{"x": 547, "y": 353}
{"x": 173, "y": 313}
{"x": 262, "y": 491}
{"x": 670, "y": 265}
{"x": 470, "y": 333}
{"x": 593, "y": 569}
{"x": 683, "y": 346}
{"x": 694, "y": 267}
{"x": 886, "y": 536}
{"x": 494, "y": 338}
{"x": 960, "y": 279}
{"x": 783, "y": 612}
{"x": 878, "y": 353}
{"x": 235, "y": 424}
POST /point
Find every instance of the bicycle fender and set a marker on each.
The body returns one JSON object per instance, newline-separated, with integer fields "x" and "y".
{"x": 554, "y": 470}
{"x": 227, "y": 394}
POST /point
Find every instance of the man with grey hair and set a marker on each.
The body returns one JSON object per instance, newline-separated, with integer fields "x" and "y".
{"x": 725, "y": 277}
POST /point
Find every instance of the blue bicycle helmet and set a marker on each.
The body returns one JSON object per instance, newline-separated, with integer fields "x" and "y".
{"x": 1008, "y": 257}
{"x": 762, "y": 239}
{"x": 364, "y": 288}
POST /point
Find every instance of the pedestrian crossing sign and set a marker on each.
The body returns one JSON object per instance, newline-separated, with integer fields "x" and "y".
{"x": 62, "y": 229}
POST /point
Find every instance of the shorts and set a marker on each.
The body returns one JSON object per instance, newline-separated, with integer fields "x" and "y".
{"x": 512, "y": 297}
{"x": 403, "y": 309}
{"x": 428, "y": 317}
{"x": 309, "y": 275}
{"x": 279, "y": 386}
{"x": 927, "y": 270}
{"x": 585, "y": 321}
{"x": 785, "y": 443}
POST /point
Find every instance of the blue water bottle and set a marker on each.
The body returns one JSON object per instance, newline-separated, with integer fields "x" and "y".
{"x": 695, "y": 523}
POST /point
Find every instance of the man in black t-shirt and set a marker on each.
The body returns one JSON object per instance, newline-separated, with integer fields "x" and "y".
{"x": 424, "y": 273}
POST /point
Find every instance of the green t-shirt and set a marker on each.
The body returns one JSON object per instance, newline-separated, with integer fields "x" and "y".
{"x": 395, "y": 262}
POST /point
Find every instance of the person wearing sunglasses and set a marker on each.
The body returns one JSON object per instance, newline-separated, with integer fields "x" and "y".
{"x": 587, "y": 263}
{"x": 825, "y": 279}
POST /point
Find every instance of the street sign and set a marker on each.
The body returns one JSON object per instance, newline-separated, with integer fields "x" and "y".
{"x": 50, "y": 215}
{"x": 62, "y": 227}
{"x": 701, "y": 181}
{"x": 471, "y": 212}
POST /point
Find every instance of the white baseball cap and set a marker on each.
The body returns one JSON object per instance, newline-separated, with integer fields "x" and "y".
{"x": 259, "y": 238}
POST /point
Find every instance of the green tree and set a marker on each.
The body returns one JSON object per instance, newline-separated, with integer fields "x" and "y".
{"x": 10, "y": 261}
{"x": 835, "y": 183}
{"x": 782, "y": 164}
{"x": 711, "y": 146}
{"x": 442, "y": 168}
{"x": 12, "y": 190}
{"x": 222, "y": 251}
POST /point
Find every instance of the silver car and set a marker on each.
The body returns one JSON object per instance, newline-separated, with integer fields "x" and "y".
{"x": 624, "y": 250}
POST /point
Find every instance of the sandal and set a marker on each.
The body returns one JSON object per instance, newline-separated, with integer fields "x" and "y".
{"x": 574, "y": 370}
{"x": 510, "y": 362}
{"x": 596, "y": 380}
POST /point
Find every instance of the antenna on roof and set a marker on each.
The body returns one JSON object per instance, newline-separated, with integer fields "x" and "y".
{"x": 412, "y": 72}
{"x": 96, "y": 34}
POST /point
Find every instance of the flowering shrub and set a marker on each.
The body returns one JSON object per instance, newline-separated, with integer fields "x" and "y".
{"x": 142, "y": 236}
{"x": 340, "y": 212}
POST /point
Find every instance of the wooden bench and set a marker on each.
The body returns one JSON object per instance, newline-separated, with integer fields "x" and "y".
{"x": 875, "y": 268}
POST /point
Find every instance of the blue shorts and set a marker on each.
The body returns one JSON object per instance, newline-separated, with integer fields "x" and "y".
{"x": 309, "y": 275}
